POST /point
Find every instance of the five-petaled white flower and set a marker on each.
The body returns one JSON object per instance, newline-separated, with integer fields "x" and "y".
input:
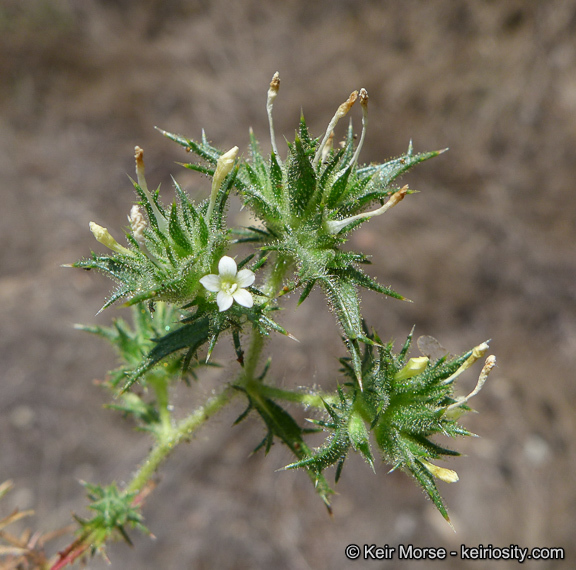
{"x": 229, "y": 284}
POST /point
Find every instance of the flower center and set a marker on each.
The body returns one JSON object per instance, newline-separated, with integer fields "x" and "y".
{"x": 229, "y": 287}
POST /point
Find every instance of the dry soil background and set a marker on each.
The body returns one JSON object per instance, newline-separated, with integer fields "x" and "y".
{"x": 486, "y": 250}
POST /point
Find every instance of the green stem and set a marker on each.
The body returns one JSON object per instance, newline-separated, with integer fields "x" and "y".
{"x": 311, "y": 400}
{"x": 180, "y": 432}
{"x": 253, "y": 355}
{"x": 272, "y": 285}
{"x": 160, "y": 386}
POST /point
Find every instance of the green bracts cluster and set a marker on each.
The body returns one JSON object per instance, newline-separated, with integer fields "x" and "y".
{"x": 187, "y": 293}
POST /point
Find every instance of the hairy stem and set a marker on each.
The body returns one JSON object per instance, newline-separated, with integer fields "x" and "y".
{"x": 183, "y": 430}
{"x": 160, "y": 386}
{"x": 253, "y": 355}
{"x": 270, "y": 288}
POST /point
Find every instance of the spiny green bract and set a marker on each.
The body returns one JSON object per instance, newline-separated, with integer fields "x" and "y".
{"x": 134, "y": 342}
{"x": 305, "y": 206}
{"x": 176, "y": 249}
{"x": 115, "y": 510}
{"x": 295, "y": 202}
{"x": 402, "y": 414}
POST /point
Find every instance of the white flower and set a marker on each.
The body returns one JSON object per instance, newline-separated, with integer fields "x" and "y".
{"x": 229, "y": 284}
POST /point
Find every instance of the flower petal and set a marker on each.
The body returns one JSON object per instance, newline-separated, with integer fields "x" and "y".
{"x": 243, "y": 297}
{"x": 227, "y": 267}
{"x": 211, "y": 282}
{"x": 245, "y": 278}
{"x": 224, "y": 300}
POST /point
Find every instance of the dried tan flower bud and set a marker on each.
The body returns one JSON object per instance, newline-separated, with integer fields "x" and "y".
{"x": 454, "y": 410}
{"x": 340, "y": 112}
{"x": 364, "y": 98}
{"x": 274, "y": 85}
{"x": 347, "y": 105}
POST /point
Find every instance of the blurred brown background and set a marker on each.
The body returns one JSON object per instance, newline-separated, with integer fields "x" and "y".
{"x": 486, "y": 250}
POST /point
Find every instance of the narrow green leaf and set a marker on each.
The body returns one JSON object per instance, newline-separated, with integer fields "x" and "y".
{"x": 203, "y": 149}
{"x": 384, "y": 174}
{"x": 301, "y": 180}
{"x": 264, "y": 208}
{"x": 256, "y": 155}
{"x": 198, "y": 168}
{"x": 404, "y": 351}
{"x": 339, "y": 470}
{"x": 149, "y": 210}
{"x": 349, "y": 144}
{"x": 202, "y": 232}
{"x": 329, "y": 168}
{"x": 178, "y": 235}
{"x": 191, "y": 336}
{"x": 255, "y": 179}
{"x": 120, "y": 293}
{"x": 304, "y": 134}
{"x": 307, "y": 290}
{"x": 334, "y": 451}
{"x": 430, "y": 448}
{"x": 339, "y": 187}
{"x": 222, "y": 197}
{"x": 343, "y": 297}
{"x": 276, "y": 181}
{"x": 280, "y": 422}
{"x": 354, "y": 191}
{"x": 427, "y": 482}
{"x": 362, "y": 280}
{"x": 244, "y": 414}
